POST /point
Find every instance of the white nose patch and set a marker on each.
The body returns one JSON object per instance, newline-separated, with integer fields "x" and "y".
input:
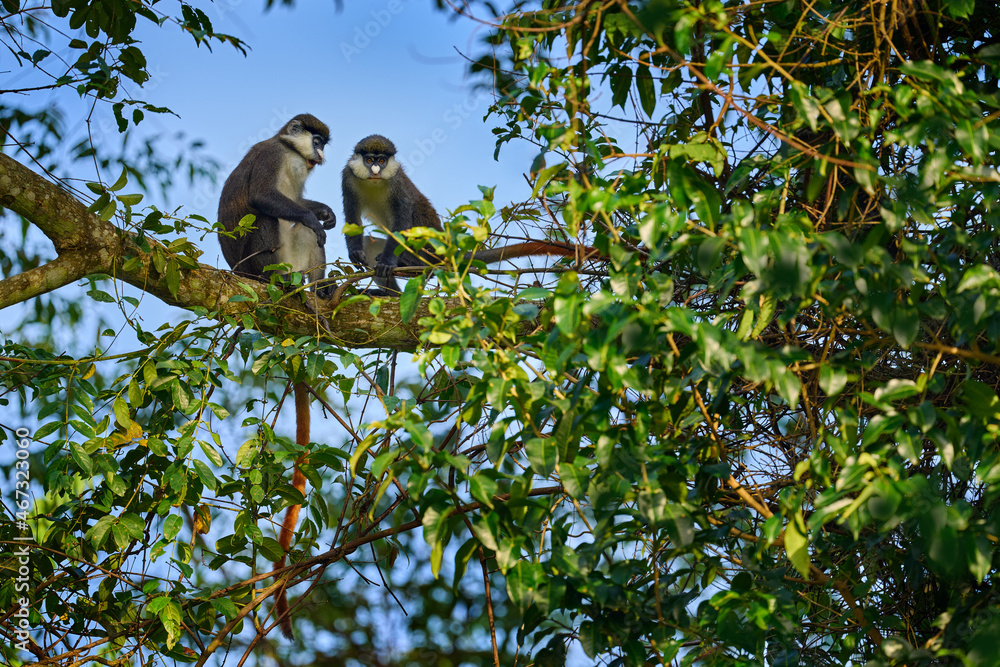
{"x": 375, "y": 168}
{"x": 319, "y": 154}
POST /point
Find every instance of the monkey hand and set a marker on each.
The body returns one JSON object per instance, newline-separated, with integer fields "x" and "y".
{"x": 383, "y": 270}
{"x": 313, "y": 223}
{"x": 326, "y": 216}
{"x": 357, "y": 258}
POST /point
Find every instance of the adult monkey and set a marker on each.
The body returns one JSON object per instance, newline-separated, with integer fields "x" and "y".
{"x": 268, "y": 183}
{"x": 375, "y": 186}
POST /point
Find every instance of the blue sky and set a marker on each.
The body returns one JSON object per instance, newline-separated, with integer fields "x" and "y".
{"x": 391, "y": 67}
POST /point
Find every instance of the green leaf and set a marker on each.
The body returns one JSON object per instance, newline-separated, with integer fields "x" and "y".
{"x": 410, "y": 298}
{"x": 170, "y": 616}
{"x": 621, "y": 83}
{"x": 980, "y": 400}
{"x": 896, "y": 390}
{"x": 383, "y": 461}
{"x": 271, "y": 549}
{"x": 718, "y": 59}
{"x": 522, "y": 583}
{"x": 806, "y": 105}
{"x": 534, "y": 294}
{"x": 108, "y": 210}
{"x": 437, "y": 555}
{"x": 483, "y": 534}
{"x": 98, "y": 295}
{"x": 225, "y": 607}
{"x": 97, "y": 533}
{"x": 905, "y": 325}
{"x": 122, "y": 412}
{"x": 647, "y": 91}
{"x": 130, "y": 200}
{"x": 157, "y": 604}
{"x": 210, "y": 451}
{"x": 173, "y": 277}
{"x": 680, "y": 525}
{"x": 709, "y": 253}
{"x": 575, "y": 478}
{"x": 961, "y": 9}
{"x": 652, "y": 505}
{"x": 909, "y": 446}
{"x": 360, "y": 451}
{"x": 832, "y": 380}
{"x": 980, "y": 553}
{"x": 786, "y": 383}
{"x": 205, "y": 474}
{"x": 978, "y": 277}
{"x": 172, "y": 526}
{"x": 768, "y": 305}
{"x": 543, "y": 178}
{"x": 568, "y": 312}
{"x": 133, "y": 524}
{"x": 797, "y": 545}
{"x": 81, "y": 459}
{"x": 483, "y": 489}
{"x": 753, "y": 246}
{"x": 436, "y": 533}
{"x": 120, "y": 183}
{"x": 542, "y": 454}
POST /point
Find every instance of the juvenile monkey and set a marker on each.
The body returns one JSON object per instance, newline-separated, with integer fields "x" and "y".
{"x": 268, "y": 183}
{"x": 376, "y": 187}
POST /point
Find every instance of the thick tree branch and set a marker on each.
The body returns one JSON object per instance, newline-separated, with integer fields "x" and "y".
{"x": 87, "y": 245}
{"x": 63, "y": 270}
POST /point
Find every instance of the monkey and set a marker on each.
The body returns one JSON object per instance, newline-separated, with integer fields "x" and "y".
{"x": 375, "y": 186}
{"x": 268, "y": 183}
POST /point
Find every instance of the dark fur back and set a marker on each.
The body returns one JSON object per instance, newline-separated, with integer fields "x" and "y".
{"x": 403, "y": 189}
{"x": 234, "y": 204}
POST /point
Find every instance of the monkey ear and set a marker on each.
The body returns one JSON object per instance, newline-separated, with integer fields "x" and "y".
{"x": 295, "y": 127}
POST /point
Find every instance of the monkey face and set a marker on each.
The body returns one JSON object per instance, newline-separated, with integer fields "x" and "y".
{"x": 306, "y": 143}
{"x": 317, "y": 145}
{"x": 375, "y": 163}
{"x": 373, "y": 166}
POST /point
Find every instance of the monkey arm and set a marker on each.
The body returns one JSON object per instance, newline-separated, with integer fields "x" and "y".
{"x": 385, "y": 263}
{"x": 355, "y": 250}
{"x": 267, "y": 199}
{"x": 279, "y": 206}
{"x": 387, "y": 259}
{"x": 352, "y": 216}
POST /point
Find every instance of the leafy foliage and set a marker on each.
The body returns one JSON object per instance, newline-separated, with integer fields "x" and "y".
{"x": 761, "y": 429}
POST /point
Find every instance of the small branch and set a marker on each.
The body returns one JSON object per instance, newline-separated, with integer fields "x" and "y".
{"x": 63, "y": 270}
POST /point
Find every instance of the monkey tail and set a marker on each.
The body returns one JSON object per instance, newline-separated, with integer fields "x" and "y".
{"x": 532, "y": 248}
{"x": 292, "y": 513}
